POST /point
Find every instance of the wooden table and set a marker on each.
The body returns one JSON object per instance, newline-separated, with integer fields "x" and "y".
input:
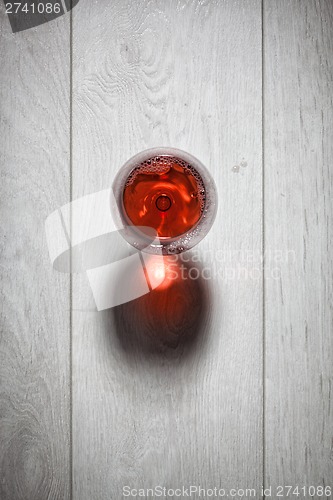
{"x": 246, "y": 86}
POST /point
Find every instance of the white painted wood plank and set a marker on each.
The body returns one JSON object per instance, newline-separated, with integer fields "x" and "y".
{"x": 298, "y": 213}
{"x": 188, "y": 75}
{"x": 34, "y": 342}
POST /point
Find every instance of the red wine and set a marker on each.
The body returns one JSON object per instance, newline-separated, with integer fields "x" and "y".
{"x": 164, "y": 193}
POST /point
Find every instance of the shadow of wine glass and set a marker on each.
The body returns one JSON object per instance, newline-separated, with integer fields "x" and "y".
{"x": 169, "y": 323}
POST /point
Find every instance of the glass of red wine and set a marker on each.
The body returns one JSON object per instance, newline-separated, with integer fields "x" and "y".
{"x": 164, "y": 193}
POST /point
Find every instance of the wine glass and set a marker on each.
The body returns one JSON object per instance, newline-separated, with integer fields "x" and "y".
{"x": 164, "y": 200}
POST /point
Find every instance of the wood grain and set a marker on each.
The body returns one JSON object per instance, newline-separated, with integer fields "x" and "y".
{"x": 167, "y": 390}
{"x": 34, "y": 353}
{"x": 185, "y": 74}
{"x": 298, "y": 213}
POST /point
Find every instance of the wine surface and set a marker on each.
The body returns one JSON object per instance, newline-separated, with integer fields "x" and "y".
{"x": 164, "y": 193}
